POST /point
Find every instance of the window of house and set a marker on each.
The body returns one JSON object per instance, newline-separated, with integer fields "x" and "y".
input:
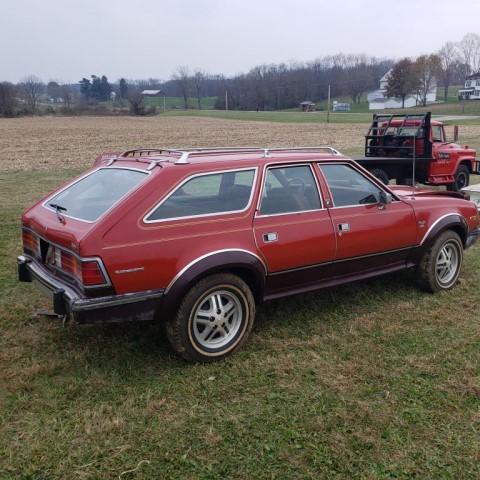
{"x": 207, "y": 194}
{"x": 349, "y": 187}
{"x": 289, "y": 190}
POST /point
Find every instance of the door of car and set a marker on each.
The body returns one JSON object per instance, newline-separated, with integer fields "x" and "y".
{"x": 292, "y": 229}
{"x": 369, "y": 234}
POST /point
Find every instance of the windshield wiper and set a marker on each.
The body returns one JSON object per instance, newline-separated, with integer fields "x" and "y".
{"x": 58, "y": 208}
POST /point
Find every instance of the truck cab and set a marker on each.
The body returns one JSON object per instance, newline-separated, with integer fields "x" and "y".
{"x": 403, "y": 147}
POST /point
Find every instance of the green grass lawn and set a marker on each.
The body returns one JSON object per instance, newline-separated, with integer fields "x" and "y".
{"x": 371, "y": 380}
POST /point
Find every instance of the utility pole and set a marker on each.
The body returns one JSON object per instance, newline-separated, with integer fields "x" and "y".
{"x": 226, "y": 100}
{"x": 164, "y": 103}
{"x": 328, "y": 105}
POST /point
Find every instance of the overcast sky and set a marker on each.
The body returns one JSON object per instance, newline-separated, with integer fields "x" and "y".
{"x": 66, "y": 40}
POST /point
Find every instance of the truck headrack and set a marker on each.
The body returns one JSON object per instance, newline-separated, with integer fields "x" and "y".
{"x": 399, "y": 135}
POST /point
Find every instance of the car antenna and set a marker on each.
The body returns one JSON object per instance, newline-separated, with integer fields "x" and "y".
{"x": 413, "y": 164}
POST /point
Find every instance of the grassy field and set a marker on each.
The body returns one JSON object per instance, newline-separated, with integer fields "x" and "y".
{"x": 371, "y": 380}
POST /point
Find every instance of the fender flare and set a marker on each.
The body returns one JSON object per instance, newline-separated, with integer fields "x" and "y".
{"x": 449, "y": 221}
{"x": 249, "y": 265}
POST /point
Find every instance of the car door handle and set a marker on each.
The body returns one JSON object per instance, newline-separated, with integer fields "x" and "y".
{"x": 270, "y": 237}
{"x": 343, "y": 227}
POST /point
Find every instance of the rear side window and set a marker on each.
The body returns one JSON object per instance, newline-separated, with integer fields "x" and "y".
{"x": 349, "y": 187}
{"x": 89, "y": 198}
{"x": 207, "y": 194}
{"x": 289, "y": 190}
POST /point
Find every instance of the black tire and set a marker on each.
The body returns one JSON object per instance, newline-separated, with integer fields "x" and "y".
{"x": 462, "y": 179}
{"x": 202, "y": 314}
{"x": 381, "y": 175}
{"x": 428, "y": 271}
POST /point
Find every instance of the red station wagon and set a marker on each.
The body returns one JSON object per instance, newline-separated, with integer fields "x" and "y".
{"x": 197, "y": 238}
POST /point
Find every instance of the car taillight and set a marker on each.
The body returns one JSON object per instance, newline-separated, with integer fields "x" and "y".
{"x": 31, "y": 242}
{"x": 92, "y": 274}
{"x": 87, "y": 272}
{"x": 71, "y": 264}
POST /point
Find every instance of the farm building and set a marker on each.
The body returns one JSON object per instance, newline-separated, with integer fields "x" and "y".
{"x": 152, "y": 93}
{"x": 471, "y": 91}
{"x": 307, "y": 106}
{"x": 378, "y": 100}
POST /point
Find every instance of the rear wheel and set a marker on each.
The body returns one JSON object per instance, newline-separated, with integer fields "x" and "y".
{"x": 462, "y": 179}
{"x": 214, "y": 319}
{"x": 381, "y": 174}
{"x": 441, "y": 264}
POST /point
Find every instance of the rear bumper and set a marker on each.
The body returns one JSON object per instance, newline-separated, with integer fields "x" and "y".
{"x": 67, "y": 301}
{"x": 472, "y": 237}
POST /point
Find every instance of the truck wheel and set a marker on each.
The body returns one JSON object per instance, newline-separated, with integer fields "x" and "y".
{"x": 462, "y": 179}
{"x": 441, "y": 263}
{"x": 214, "y": 319}
{"x": 381, "y": 175}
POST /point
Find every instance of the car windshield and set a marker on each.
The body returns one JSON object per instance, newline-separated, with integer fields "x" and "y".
{"x": 90, "y": 197}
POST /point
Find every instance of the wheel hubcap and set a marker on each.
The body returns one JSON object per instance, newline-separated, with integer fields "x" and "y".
{"x": 447, "y": 263}
{"x": 217, "y": 319}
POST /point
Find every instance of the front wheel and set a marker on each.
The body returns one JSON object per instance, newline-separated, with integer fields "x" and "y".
{"x": 214, "y": 319}
{"x": 462, "y": 179}
{"x": 441, "y": 264}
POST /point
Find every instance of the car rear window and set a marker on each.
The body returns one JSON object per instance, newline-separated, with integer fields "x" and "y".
{"x": 89, "y": 198}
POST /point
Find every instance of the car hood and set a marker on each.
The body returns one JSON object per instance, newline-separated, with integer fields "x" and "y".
{"x": 406, "y": 191}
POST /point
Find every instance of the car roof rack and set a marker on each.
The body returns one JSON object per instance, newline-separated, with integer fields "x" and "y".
{"x": 184, "y": 154}
{"x": 187, "y": 153}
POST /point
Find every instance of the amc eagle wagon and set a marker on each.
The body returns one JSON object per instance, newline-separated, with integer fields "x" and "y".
{"x": 198, "y": 238}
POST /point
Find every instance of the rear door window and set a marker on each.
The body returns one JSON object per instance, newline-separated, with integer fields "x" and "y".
{"x": 90, "y": 197}
{"x": 207, "y": 194}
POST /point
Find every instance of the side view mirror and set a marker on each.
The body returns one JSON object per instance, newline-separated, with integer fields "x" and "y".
{"x": 455, "y": 133}
{"x": 385, "y": 198}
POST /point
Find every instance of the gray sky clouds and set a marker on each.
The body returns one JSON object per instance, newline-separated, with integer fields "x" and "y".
{"x": 65, "y": 39}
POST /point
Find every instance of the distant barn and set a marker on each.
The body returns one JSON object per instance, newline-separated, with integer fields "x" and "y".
{"x": 307, "y": 106}
{"x": 152, "y": 93}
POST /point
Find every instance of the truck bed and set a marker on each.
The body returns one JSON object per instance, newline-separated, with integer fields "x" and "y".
{"x": 370, "y": 161}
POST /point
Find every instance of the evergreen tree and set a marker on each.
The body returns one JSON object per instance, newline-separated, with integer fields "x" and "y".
{"x": 85, "y": 87}
{"x": 123, "y": 88}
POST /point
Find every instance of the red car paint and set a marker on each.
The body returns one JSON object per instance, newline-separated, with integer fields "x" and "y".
{"x": 309, "y": 252}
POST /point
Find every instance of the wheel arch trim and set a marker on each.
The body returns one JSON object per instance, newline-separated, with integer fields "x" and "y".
{"x": 435, "y": 226}
{"x": 206, "y": 255}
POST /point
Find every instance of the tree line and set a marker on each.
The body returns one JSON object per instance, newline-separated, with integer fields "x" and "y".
{"x": 264, "y": 87}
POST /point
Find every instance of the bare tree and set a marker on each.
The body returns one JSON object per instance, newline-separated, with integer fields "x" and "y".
{"x": 68, "y": 95}
{"x": 182, "y": 79}
{"x": 7, "y": 99}
{"x": 31, "y": 88}
{"x": 469, "y": 47}
{"x": 198, "y": 81}
{"x": 136, "y": 102}
{"x": 449, "y": 58}
{"x": 427, "y": 68}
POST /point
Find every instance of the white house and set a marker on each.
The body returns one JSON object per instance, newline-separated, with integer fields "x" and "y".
{"x": 377, "y": 100}
{"x": 472, "y": 88}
